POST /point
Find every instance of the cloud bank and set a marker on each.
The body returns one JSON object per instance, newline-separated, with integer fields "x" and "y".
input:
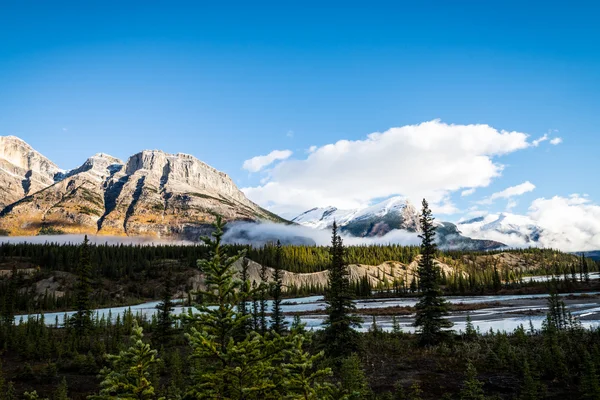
{"x": 431, "y": 160}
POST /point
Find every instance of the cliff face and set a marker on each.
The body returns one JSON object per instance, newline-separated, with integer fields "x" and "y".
{"x": 152, "y": 194}
{"x": 23, "y": 170}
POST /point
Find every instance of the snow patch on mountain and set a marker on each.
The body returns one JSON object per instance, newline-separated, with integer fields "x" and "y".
{"x": 511, "y": 229}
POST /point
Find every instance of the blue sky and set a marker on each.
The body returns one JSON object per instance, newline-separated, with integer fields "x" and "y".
{"x": 230, "y": 83}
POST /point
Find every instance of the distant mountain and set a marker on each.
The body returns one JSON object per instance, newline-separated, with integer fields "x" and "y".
{"x": 382, "y": 218}
{"x": 513, "y": 230}
{"x": 594, "y": 255}
{"x": 152, "y": 194}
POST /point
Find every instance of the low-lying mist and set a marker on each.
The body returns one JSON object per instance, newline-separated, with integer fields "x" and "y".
{"x": 255, "y": 234}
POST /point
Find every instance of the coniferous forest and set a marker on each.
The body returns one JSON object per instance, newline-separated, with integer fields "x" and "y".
{"x": 238, "y": 345}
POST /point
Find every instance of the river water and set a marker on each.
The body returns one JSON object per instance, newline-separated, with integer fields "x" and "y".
{"x": 507, "y": 313}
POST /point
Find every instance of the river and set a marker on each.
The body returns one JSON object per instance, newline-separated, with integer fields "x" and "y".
{"x": 510, "y": 312}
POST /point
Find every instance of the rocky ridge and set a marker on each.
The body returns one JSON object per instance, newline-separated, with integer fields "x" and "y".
{"x": 152, "y": 194}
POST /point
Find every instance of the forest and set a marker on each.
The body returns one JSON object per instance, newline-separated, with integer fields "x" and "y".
{"x": 238, "y": 346}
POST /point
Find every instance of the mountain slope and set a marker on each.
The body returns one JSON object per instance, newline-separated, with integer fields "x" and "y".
{"x": 23, "y": 170}
{"x": 514, "y": 230}
{"x": 382, "y": 218}
{"x": 152, "y": 194}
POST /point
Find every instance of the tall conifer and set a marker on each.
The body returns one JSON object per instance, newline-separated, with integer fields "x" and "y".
{"x": 339, "y": 336}
{"x": 432, "y": 307}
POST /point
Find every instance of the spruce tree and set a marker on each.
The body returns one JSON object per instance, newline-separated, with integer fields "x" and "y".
{"x": 339, "y": 337}
{"x": 590, "y": 381}
{"x": 243, "y": 306}
{"x": 432, "y": 307}
{"x": 128, "y": 376}
{"x": 164, "y": 326}
{"x": 278, "y": 323}
{"x": 229, "y": 367}
{"x": 81, "y": 321}
{"x": 472, "y": 387}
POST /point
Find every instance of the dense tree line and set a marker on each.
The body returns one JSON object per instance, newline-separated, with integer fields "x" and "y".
{"x": 230, "y": 350}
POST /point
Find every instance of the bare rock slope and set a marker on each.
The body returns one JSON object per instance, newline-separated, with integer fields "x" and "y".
{"x": 152, "y": 194}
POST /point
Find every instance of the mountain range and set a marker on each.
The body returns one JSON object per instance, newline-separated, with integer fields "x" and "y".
{"x": 393, "y": 214}
{"x": 151, "y": 194}
{"x": 175, "y": 196}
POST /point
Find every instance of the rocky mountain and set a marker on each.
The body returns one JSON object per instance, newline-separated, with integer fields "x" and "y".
{"x": 377, "y": 220}
{"x": 382, "y": 218}
{"x": 23, "y": 170}
{"x": 151, "y": 194}
{"x": 514, "y": 230}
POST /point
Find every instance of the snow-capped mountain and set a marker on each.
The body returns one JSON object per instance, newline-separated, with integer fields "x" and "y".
{"x": 382, "y": 218}
{"x": 513, "y": 230}
{"x": 376, "y": 220}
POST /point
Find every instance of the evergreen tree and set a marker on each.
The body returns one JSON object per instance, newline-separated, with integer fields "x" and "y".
{"x": 262, "y": 299}
{"x": 231, "y": 367}
{"x": 243, "y": 307}
{"x": 278, "y": 323}
{"x": 472, "y": 387}
{"x": 432, "y": 307}
{"x": 164, "y": 326}
{"x": 62, "y": 391}
{"x": 339, "y": 336}
{"x": 128, "y": 376}
{"x": 9, "y": 299}
{"x": 81, "y": 321}
{"x": 590, "y": 381}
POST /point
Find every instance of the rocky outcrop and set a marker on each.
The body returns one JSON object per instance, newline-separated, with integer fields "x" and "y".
{"x": 153, "y": 194}
{"x": 382, "y": 275}
{"x": 23, "y": 170}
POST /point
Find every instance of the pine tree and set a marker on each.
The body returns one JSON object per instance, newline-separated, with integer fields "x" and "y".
{"x": 243, "y": 306}
{"x": 230, "y": 367}
{"x": 164, "y": 328}
{"x": 339, "y": 336}
{"x": 62, "y": 391}
{"x": 278, "y": 323}
{"x": 128, "y": 376}
{"x": 81, "y": 321}
{"x": 8, "y": 309}
{"x": 432, "y": 307}
{"x": 590, "y": 381}
{"x": 472, "y": 387}
{"x": 262, "y": 299}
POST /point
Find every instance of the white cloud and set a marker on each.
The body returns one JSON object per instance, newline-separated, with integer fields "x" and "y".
{"x": 431, "y": 160}
{"x": 512, "y": 191}
{"x": 290, "y": 134}
{"x": 568, "y": 223}
{"x": 556, "y": 141}
{"x": 539, "y": 140}
{"x": 257, "y": 163}
{"x": 511, "y": 204}
{"x": 565, "y": 223}
{"x": 467, "y": 192}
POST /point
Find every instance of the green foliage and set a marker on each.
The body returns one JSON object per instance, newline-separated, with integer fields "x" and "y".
{"x": 62, "y": 391}
{"x": 472, "y": 387}
{"x": 81, "y": 320}
{"x": 164, "y": 325}
{"x": 432, "y": 307}
{"x": 128, "y": 376}
{"x": 231, "y": 367}
{"x": 339, "y": 336}
{"x": 353, "y": 382}
{"x": 278, "y": 323}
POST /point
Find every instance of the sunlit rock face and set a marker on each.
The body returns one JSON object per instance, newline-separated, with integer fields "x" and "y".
{"x": 23, "y": 170}
{"x": 152, "y": 194}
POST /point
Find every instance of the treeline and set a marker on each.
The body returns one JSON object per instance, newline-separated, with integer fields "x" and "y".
{"x": 116, "y": 261}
